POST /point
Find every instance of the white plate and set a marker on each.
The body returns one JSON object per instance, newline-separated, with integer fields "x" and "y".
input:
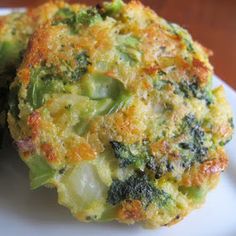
{"x": 24, "y": 212}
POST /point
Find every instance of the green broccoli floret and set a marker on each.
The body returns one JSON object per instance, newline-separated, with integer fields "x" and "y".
{"x": 137, "y": 187}
{"x": 76, "y": 19}
{"x": 47, "y": 80}
{"x": 137, "y": 155}
{"x": 42, "y": 83}
{"x": 64, "y": 16}
{"x": 195, "y": 149}
{"x": 112, "y": 8}
{"x": 185, "y": 88}
{"x": 123, "y": 154}
{"x": 191, "y": 89}
{"x": 88, "y": 16}
{"x": 83, "y": 62}
{"x": 82, "y": 66}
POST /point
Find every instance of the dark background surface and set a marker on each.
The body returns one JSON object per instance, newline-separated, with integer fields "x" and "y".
{"x": 211, "y": 22}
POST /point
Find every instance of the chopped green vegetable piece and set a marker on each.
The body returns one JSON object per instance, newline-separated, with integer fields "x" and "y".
{"x": 82, "y": 65}
{"x": 42, "y": 84}
{"x": 94, "y": 108}
{"x": 75, "y": 20}
{"x": 197, "y": 194}
{"x": 186, "y": 88}
{"x": 137, "y": 187}
{"x": 189, "y": 45}
{"x": 112, "y": 8}
{"x": 128, "y": 49}
{"x": 40, "y": 172}
{"x": 99, "y": 86}
{"x": 190, "y": 89}
{"x": 107, "y": 95}
{"x": 194, "y": 149}
{"x": 139, "y": 157}
{"x": 136, "y": 154}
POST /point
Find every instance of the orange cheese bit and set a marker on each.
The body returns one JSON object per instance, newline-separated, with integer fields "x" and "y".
{"x": 151, "y": 70}
{"x": 210, "y": 168}
{"x": 160, "y": 146}
{"x": 34, "y": 121}
{"x": 80, "y": 152}
{"x": 49, "y": 152}
{"x": 24, "y": 76}
{"x": 129, "y": 125}
{"x": 200, "y": 71}
{"x": 131, "y": 211}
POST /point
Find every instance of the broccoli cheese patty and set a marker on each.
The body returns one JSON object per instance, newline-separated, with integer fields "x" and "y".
{"x": 15, "y": 31}
{"x": 113, "y": 106}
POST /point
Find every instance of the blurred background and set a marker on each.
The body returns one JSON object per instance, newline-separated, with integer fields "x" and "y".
{"x": 211, "y": 22}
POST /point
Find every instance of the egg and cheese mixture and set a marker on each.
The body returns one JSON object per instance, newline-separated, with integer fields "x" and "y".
{"x": 113, "y": 106}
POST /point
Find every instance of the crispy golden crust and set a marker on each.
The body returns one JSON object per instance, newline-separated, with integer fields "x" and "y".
{"x": 15, "y": 32}
{"x": 131, "y": 211}
{"x": 207, "y": 170}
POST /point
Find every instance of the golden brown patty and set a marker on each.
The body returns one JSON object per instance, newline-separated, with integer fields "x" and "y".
{"x": 15, "y": 31}
{"x": 113, "y": 106}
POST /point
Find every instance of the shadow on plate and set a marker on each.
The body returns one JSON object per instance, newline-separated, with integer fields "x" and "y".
{"x": 40, "y": 206}
{"x": 231, "y": 171}
{"x": 17, "y": 197}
